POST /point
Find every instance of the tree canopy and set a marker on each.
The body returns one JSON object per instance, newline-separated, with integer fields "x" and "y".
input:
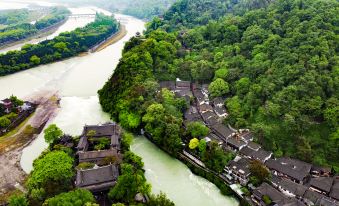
{"x": 52, "y": 173}
{"x": 52, "y": 133}
{"x": 78, "y": 197}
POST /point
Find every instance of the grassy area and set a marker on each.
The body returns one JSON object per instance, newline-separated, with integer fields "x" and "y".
{"x": 16, "y": 137}
{"x": 15, "y": 130}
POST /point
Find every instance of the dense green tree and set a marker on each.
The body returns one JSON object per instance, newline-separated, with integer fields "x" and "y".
{"x": 16, "y": 101}
{"x": 259, "y": 171}
{"x": 52, "y": 133}
{"x": 218, "y": 88}
{"x": 131, "y": 158}
{"x": 160, "y": 200}
{"x": 35, "y": 60}
{"x": 197, "y": 129}
{"x": 4, "y": 122}
{"x": 18, "y": 200}
{"x": 215, "y": 158}
{"x": 72, "y": 198}
{"x": 130, "y": 182}
{"x": 202, "y": 146}
{"x": 52, "y": 173}
{"x": 221, "y": 73}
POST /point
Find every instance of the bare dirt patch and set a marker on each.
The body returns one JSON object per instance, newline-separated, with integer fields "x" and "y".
{"x": 12, "y": 176}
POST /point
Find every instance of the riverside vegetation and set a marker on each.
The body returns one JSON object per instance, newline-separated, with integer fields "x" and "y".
{"x": 65, "y": 45}
{"x": 277, "y": 63}
{"x": 17, "y": 26}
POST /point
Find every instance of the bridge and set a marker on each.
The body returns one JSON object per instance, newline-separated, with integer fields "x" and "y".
{"x": 91, "y": 15}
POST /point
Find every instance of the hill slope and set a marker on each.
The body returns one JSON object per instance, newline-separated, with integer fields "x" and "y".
{"x": 280, "y": 64}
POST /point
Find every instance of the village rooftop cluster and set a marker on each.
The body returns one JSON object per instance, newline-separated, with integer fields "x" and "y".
{"x": 293, "y": 182}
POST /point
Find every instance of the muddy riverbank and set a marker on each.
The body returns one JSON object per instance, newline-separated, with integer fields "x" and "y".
{"x": 11, "y": 145}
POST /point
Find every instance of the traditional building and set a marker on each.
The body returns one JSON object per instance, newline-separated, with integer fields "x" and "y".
{"x": 276, "y": 198}
{"x": 210, "y": 118}
{"x": 170, "y": 85}
{"x": 192, "y": 115}
{"x": 239, "y": 170}
{"x": 321, "y": 184}
{"x": 222, "y": 131}
{"x": 219, "y": 107}
{"x": 246, "y": 136}
{"x": 97, "y": 179}
{"x": 97, "y": 156}
{"x": 235, "y": 144}
{"x": 296, "y": 170}
{"x": 7, "y": 104}
{"x": 334, "y": 193}
{"x": 318, "y": 171}
{"x": 110, "y": 131}
{"x": 182, "y": 85}
{"x": 291, "y": 188}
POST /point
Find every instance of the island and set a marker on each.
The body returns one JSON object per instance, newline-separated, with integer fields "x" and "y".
{"x": 63, "y": 46}
{"x": 17, "y": 25}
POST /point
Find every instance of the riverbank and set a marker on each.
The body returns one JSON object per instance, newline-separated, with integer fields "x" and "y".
{"x": 40, "y": 34}
{"x": 203, "y": 172}
{"x": 12, "y": 175}
{"x": 111, "y": 40}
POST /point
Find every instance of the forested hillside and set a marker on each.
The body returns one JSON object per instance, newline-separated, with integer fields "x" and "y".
{"x": 190, "y": 13}
{"x": 280, "y": 63}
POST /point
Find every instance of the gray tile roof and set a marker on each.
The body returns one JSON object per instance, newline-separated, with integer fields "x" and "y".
{"x": 261, "y": 155}
{"x": 247, "y": 151}
{"x": 276, "y": 196}
{"x": 210, "y": 118}
{"x": 254, "y": 145}
{"x": 101, "y": 130}
{"x": 220, "y": 111}
{"x": 312, "y": 196}
{"x": 95, "y": 155}
{"x": 182, "y": 84}
{"x": 221, "y": 130}
{"x": 295, "y": 188}
{"x": 218, "y": 102}
{"x": 97, "y": 178}
{"x": 83, "y": 143}
{"x": 167, "y": 84}
{"x": 197, "y": 93}
{"x": 293, "y": 168}
{"x": 242, "y": 165}
{"x": 235, "y": 143}
{"x": 192, "y": 114}
{"x": 335, "y": 189}
{"x": 205, "y": 107}
{"x": 248, "y": 136}
{"x": 322, "y": 183}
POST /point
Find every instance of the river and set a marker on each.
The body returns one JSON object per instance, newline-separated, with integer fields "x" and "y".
{"x": 77, "y": 81}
